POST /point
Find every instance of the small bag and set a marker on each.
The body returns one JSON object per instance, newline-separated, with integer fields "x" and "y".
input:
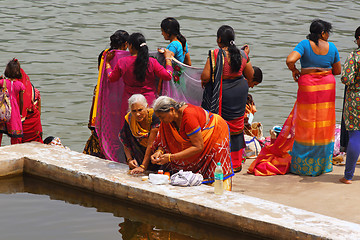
{"x": 5, "y": 106}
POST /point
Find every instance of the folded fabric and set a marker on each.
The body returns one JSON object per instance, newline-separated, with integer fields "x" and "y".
{"x": 186, "y": 179}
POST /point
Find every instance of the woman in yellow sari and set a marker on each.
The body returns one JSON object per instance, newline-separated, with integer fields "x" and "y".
{"x": 191, "y": 139}
{"x": 138, "y": 133}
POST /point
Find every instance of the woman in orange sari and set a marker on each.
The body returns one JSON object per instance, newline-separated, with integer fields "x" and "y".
{"x": 306, "y": 143}
{"x": 191, "y": 139}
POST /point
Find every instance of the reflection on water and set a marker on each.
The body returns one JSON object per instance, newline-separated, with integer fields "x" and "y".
{"x": 39, "y": 218}
{"x": 58, "y": 43}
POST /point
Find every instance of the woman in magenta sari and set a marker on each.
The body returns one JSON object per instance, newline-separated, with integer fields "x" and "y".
{"x": 139, "y": 71}
{"x": 226, "y": 89}
{"x": 118, "y": 44}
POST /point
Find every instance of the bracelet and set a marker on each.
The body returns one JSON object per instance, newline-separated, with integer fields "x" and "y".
{"x": 169, "y": 59}
{"x": 169, "y": 157}
{"x": 128, "y": 160}
{"x": 142, "y": 166}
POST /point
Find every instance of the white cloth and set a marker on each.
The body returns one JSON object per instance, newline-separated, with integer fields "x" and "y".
{"x": 186, "y": 179}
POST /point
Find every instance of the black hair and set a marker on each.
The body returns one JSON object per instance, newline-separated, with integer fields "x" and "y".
{"x": 227, "y": 36}
{"x": 119, "y": 38}
{"x": 12, "y": 69}
{"x": 171, "y": 26}
{"x": 357, "y": 33}
{"x": 48, "y": 139}
{"x": 138, "y": 42}
{"x": 258, "y": 75}
{"x": 317, "y": 27}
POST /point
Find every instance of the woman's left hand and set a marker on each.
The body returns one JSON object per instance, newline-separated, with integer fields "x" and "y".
{"x": 137, "y": 170}
{"x": 110, "y": 55}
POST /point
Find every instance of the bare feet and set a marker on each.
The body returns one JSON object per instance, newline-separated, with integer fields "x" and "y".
{"x": 344, "y": 180}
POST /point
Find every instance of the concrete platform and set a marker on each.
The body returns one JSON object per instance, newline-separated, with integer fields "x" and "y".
{"x": 257, "y": 204}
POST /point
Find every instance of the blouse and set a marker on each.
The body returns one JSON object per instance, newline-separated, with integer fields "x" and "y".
{"x": 227, "y": 73}
{"x": 178, "y": 50}
{"x": 310, "y": 59}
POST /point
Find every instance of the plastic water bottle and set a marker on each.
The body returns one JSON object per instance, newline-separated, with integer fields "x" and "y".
{"x": 219, "y": 179}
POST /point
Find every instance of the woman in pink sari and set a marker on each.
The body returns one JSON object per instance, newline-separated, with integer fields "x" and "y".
{"x": 139, "y": 71}
{"x": 13, "y": 128}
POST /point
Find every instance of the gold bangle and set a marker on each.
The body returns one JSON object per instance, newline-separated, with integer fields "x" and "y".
{"x": 169, "y": 157}
{"x": 142, "y": 166}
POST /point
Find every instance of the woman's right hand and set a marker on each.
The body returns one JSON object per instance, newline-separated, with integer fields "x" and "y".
{"x": 137, "y": 170}
{"x": 296, "y": 74}
{"x": 133, "y": 164}
{"x": 155, "y": 157}
{"x": 168, "y": 53}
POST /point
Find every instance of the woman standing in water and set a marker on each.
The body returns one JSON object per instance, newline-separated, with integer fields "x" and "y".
{"x": 226, "y": 89}
{"x": 308, "y": 133}
{"x": 170, "y": 29}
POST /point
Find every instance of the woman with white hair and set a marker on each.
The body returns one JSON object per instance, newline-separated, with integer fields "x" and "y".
{"x": 138, "y": 133}
{"x": 191, "y": 139}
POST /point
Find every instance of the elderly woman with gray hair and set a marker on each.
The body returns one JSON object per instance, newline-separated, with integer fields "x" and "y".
{"x": 191, "y": 139}
{"x": 138, "y": 133}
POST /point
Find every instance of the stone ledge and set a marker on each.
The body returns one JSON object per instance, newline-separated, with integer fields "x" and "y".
{"x": 234, "y": 210}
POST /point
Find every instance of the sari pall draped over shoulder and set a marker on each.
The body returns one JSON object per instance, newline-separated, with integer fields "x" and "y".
{"x": 227, "y": 97}
{"x": 215, "y": 134}
{"x": 108, "y": 116}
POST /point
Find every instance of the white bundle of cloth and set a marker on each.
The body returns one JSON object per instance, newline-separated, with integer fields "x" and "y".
{"x": 186, "y": 179}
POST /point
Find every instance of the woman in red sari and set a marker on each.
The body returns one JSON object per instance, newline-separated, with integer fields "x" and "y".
{"x": 31, "y": 121}
{"x": 191, "y": 139}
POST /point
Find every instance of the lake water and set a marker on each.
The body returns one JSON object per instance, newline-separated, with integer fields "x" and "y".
{"x": 58, "y": 42}
{"x": 34, "y": 209}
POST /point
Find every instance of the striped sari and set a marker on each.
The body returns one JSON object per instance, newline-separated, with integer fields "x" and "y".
{"x": 215, "y": 134}
{"x": 306, "y": 143}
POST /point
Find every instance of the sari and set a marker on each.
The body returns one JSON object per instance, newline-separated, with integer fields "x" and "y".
{"x": 135, "y": 138}
{"x": 107, "y": 116}
{"x": 306, "y": 143}
{"x": 215, "y": 134}
{"x": 32, "y": 128}
{"x": 228, "y": 97}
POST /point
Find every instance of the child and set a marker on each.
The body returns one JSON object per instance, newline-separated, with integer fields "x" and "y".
{"x": 170, "y": 29}
{"x": 13, "y": 128}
